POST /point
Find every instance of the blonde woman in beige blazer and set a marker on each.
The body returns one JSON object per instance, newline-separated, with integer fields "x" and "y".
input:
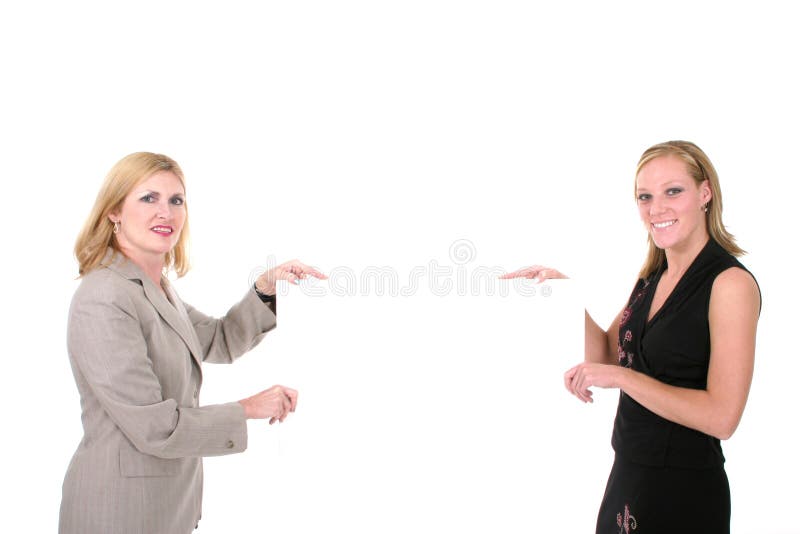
{"x": 136, "y": 351}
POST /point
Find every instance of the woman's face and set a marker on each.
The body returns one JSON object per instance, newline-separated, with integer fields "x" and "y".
{"x": 151, "y": 217}
{"x": 671, "y": 203}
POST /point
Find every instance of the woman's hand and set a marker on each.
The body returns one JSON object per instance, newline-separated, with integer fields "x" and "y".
{"x": 538, "y": 272}
{"x": 274, "y": 404}
{"x": 293, "y": 271}
{"x": 580, "y": 378}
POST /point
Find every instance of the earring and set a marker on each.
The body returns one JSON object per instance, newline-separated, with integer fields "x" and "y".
{"x": 116, "y": 227}
{"x": 705, "y": 207}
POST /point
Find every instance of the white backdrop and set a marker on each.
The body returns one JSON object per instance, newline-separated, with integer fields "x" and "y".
{"x": 370, "y": 137}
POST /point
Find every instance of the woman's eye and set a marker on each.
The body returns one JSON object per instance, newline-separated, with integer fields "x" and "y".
{"x": 147, "y": 198}
{"x": 674, "y": 191}
{"x": 644, "y": 197}
{"x": 178, "y": 201}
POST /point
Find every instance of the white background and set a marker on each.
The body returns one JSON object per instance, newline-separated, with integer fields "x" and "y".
{"x": 374, "y": 134}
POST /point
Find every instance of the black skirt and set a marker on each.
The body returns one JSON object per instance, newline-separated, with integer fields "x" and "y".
{"x": 654, "y": 500}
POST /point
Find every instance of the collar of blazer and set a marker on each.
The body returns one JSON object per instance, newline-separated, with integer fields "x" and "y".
{"x": 174, "y": 313}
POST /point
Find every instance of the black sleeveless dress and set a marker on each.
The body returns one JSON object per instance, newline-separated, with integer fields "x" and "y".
{"x": 667, "y": 477}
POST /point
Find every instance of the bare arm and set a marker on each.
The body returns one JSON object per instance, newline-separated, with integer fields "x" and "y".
{"x": 716, "y": 410}
{"x": 601, "y": 346}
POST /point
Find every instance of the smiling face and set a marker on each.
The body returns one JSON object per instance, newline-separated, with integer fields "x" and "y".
{"x": 151, "y": 218}
{"x": 671, "y": 203}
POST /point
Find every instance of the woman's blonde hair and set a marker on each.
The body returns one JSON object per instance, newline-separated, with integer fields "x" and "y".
{"x": 700, "y": 169}
{"x": 98, "y": 230}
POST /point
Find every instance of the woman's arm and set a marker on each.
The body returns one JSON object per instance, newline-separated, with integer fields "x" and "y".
{"x": 601, "y": 345}
{"x": 123, "y": 375}
{"x": 117, "y": 379}
{"x": 242, "y": 328}
{"x": 717, "y": 410}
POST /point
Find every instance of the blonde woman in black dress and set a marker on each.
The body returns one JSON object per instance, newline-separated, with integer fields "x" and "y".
{"x": 681, "y": 352}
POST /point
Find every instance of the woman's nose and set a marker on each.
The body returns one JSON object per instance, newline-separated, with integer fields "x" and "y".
{"x": 162, "y": 210}
{"x": 656, "y": 206}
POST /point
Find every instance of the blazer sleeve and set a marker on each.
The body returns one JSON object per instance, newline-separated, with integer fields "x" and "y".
{"x": 242, "y": 328}
{"x": 108, "y": 348}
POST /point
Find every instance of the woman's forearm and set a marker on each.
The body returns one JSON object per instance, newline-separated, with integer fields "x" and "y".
{"x": 698, "y": 409}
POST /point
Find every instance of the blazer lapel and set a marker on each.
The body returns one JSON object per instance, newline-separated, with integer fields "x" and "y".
{"x": 191, "y": 337}
{"x": 175, "y": 316}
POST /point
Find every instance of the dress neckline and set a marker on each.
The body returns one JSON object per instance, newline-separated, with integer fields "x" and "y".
{"x": 678, "y": 285}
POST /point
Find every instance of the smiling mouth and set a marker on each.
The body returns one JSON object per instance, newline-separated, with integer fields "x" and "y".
{"x": 164, "y": 230}
{"x": 664, "y": 224}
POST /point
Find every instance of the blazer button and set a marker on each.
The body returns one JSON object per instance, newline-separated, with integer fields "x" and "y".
{"x": 229, "y": 444}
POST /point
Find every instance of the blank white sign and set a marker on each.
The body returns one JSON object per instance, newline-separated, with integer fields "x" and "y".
{"x": 426, "y": 413}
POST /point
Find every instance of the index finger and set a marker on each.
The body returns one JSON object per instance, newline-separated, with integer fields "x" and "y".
{"x": 520, "y": 273}
{"x": 568, "y": 378}
{"x": 306, "y": 270}
{"x": 315, "y": 273}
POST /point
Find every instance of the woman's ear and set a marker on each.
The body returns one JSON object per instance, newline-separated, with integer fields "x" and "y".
{"x": 705, "y": 192}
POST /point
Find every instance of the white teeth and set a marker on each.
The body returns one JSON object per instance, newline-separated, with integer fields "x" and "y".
{"x": 664, "y": 224}
{"x": 162, "y": 230}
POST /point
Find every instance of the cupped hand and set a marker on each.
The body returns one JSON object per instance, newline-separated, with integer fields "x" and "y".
{"x": 292, "y": 271}
{"x": 538, "y": 272}
{"x": 275, "y": 404}
{"x": 580, "y": 378}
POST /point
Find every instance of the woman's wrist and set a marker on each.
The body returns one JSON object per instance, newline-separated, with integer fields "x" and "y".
{"x": 264, "y": 293}
{"x": 624, "y": 375}
{"x": 245, "y": 406}
{"x": 263, "y": 286}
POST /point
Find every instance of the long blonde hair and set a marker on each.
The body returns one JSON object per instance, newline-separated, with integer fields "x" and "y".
{"x": 97, "y": 233}
{"x": 700, "y": 169}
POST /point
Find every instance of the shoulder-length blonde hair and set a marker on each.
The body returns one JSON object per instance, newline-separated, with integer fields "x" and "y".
{"x": 700, "y": 169}
{"x": 98, "y": 230}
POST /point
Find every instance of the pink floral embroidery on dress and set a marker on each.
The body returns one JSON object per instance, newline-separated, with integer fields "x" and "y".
{"x": 625, "y": 358}
{"x": 626, "y": 522}
{"x": 625, "y": 316}
{"x": 625, "y": 340}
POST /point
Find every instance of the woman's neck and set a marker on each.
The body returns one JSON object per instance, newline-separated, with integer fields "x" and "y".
{"x": 680, "y": 258}
{"x": 151, "y": 264}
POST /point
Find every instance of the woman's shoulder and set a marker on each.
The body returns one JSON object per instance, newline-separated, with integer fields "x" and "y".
{"x": 736, "y": 275}
{"x": 103, "y": 286}
{"x": 735, "y": 284}
{"x": 729, "y": 274}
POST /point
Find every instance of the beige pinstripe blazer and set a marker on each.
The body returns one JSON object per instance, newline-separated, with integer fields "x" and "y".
{"x": 136, "y": 359}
